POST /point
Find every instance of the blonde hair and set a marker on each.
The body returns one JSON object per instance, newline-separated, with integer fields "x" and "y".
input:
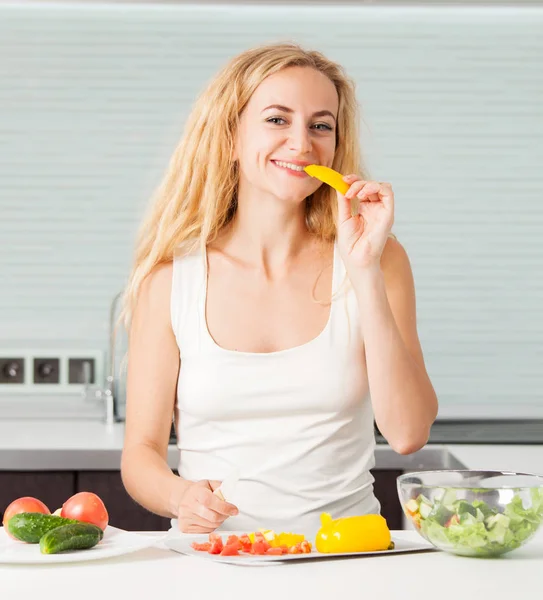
{"x": 197, "y": 196}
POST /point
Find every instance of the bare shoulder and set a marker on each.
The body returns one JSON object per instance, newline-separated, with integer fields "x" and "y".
{"x": 157, "y": 285}
{"x": 159, "y": 277}
{"x": 395, "y": 262}
{"x": 153, "y": 299}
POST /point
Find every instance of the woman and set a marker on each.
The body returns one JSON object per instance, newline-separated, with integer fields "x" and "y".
{"x": 271, "y": 320}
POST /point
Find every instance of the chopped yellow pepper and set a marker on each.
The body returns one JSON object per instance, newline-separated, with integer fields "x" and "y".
{"x": 366, "y": 533}
{"x": 329, "y": 176}
{"x": 282, "y": 539}
{"x": 288, "y": 539}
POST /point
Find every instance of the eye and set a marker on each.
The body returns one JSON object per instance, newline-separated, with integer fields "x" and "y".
{"x": 276, "y": 120}
{"x": 323, "y": 127}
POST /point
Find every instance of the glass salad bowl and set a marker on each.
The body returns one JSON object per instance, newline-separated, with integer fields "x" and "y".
{"x": 473, "y": 513}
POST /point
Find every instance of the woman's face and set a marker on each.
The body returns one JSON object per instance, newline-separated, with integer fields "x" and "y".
{"x": 289, "y": 122}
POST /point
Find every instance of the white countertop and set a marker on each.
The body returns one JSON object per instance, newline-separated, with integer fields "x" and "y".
{"x": 161, "y": 573}
{"x": 79, "y": 445}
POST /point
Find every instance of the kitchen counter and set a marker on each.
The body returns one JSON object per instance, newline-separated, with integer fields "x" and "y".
{"x": 160, "y": 573}
{"x": 488, "y": 431}
{"x": 90, "y": 445}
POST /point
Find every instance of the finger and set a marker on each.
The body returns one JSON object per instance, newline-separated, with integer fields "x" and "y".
{"x": 356, "y": 186}
{"x": 197, "y": 529}
{"x": 385, "y": 195}
{"x": 351, "y": 177}
{"x": 214, "y": 484}
{"x": 370, "y": 190}
{"x": 213, "y": 502}
{"x": 203, "y": 514}
{"x": 188, "y": 526}
{"x": 344, "y": 211}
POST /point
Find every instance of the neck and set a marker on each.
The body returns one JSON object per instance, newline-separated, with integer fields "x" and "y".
{"x": 268, "y": 232}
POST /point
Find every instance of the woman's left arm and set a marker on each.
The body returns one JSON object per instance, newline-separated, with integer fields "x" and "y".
{"x": 403, "y": 398}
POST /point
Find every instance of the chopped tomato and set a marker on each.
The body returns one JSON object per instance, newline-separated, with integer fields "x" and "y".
{"x": 296, "y": 549}
{"x": 260, "y": 547}
{"x": 233, "y": 540}
{"x": 205, "y": 547}
{"x": 216, "y": 543}
{"x": 230, "y": 550}
{"x": 245, "y": 543}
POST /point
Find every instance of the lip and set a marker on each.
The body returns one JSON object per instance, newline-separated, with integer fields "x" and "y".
{"x": 299, "y": 163}
{"x": 291, "y": 172}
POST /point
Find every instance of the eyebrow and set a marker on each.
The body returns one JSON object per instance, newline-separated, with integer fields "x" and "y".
{"x": 319, "y": 113}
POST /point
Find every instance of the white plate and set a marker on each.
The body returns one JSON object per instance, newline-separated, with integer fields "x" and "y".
{"x": 114, "y": 543}
{"x": 181, "y": 543}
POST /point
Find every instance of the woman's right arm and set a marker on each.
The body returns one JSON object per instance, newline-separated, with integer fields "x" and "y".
{"x": 153, "y": 369}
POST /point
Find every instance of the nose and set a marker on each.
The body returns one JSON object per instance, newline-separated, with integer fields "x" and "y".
{"x": 299, "y": 140}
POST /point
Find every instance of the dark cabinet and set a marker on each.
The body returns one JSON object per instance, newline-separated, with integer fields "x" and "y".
{"x": 55, "y": 487}
{"x": 385, "y": 491}
{"x": 123, "y": 512}
{"x": 51, "y": 487}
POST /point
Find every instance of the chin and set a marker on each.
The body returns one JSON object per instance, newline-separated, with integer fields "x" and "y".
{"x": 291, "y": 195}
{"x": 290, "y": 200}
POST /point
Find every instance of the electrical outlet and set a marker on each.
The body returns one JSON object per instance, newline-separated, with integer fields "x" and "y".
{"x": 12, "y": 370}
{"x": 81, "y": 370}
{"x": 46, "y": 370}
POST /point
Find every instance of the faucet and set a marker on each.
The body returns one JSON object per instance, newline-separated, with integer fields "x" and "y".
{"x": 96, "y": 393}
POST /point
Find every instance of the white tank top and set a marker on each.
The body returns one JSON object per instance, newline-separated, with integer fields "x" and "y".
{"x": 296, "y": 424}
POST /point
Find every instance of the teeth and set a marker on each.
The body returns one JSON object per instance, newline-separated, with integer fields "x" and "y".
{"x": 287, "y": 165}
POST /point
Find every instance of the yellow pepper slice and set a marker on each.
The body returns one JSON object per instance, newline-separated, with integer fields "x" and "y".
{"x": 329, "y": 176}
{"x": 366, "y": 533}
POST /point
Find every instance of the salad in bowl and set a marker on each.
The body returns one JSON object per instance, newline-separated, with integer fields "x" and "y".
{"x": 473, "y": 513}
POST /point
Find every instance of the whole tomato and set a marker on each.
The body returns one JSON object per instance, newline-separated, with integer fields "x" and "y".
{"x": 86, "y": 507}
{"x": 24, "y": 504}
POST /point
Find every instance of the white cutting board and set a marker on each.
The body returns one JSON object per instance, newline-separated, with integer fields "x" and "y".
{"x": 181, "y": 542}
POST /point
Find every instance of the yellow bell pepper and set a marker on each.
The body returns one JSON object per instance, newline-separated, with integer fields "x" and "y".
{"x": 366, "y": 533}
{"x": 329, "y": 176}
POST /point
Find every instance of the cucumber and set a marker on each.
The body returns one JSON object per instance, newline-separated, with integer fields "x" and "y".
{"x": 30, "y": 527}
{"x": 75, "y": 536}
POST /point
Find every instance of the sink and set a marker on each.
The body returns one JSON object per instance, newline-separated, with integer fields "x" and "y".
{"x": 429, "y": 458}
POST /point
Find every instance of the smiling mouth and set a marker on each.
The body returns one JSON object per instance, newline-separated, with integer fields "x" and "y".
{"x": 287, "y": 165}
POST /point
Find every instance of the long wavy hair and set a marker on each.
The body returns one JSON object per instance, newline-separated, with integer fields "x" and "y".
{"x": 197, "y": 197}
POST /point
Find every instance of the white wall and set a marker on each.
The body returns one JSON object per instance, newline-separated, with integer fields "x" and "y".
{"x": 93, "y": 100}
